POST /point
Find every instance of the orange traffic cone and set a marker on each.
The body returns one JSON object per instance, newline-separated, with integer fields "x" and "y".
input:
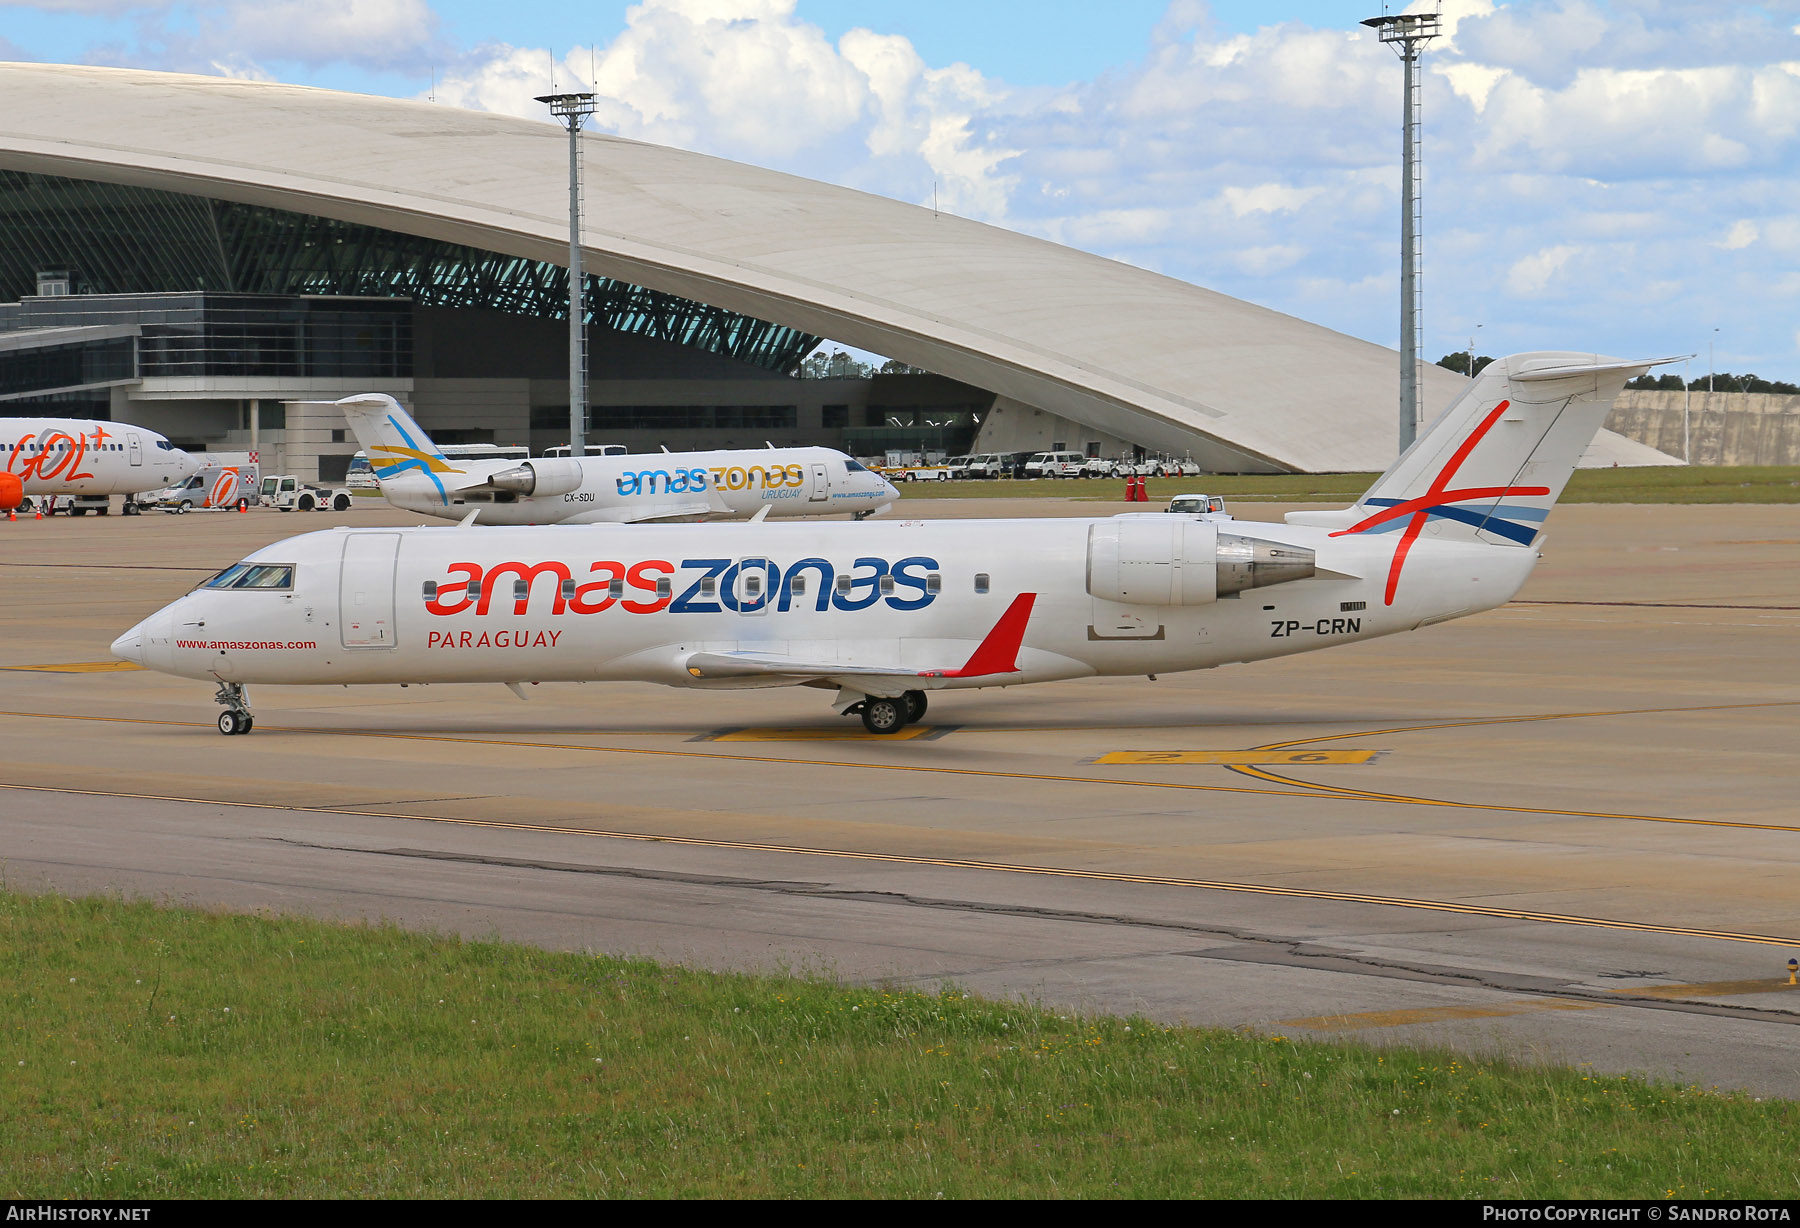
{"x": 40, "y": 510}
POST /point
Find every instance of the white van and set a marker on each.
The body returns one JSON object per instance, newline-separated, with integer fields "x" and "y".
{"x": 1055, "y": 465}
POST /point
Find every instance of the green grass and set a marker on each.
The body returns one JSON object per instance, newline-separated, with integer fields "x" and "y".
{"x": 161, "y": 1052}
{"x": 1675, "y": 484}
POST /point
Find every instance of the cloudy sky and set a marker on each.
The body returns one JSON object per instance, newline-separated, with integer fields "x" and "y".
{"x": 1618, "y": 175}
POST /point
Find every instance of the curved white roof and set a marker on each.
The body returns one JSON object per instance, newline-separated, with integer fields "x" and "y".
{"x": 1134, "y": 353}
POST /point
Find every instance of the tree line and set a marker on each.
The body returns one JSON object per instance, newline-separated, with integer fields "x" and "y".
{"x": 1721, "y": 381}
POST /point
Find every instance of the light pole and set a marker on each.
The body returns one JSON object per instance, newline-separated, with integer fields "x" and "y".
{"x": 1472, "y": 352}
{"x": 1687, "y": 400}
{"x": 1408, "y": 33}
{"x": 572, "y": 110}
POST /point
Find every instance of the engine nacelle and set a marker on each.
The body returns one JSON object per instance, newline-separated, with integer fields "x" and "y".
{"x": 1179, "y": 561}
{"x": 539, "y": 477}
{"x": 12, "y": 491}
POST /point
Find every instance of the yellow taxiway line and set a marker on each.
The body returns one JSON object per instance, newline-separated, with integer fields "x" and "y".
{"x": 1295, "y": 789}
{"x": 959, "y": 863}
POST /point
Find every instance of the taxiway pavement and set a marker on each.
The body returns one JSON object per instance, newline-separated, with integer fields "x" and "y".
{"x": 1575, "y": 839}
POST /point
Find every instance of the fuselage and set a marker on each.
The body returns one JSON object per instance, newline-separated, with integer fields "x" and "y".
{"x": 727, "y": 484}
{"x": 584, "y": 603}
{"x": 75, "y": 456}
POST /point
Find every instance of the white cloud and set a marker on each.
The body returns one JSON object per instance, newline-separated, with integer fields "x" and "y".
{"x": 1532, "y": 275}
{"x": 318, "y": 31}
{"x": 749, "y": 80}
{"x": 242, "y": 37}
{"x": 1267, "y": 198}
{"x": 1743, "y": 233}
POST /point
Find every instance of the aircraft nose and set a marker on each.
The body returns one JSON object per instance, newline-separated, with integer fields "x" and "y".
{"x": 130, "y": 646}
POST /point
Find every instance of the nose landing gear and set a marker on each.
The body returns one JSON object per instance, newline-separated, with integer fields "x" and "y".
{"x": 236, "y": 718}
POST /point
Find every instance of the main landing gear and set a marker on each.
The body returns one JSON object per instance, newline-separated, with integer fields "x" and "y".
{"x": 236, "y": 718}
{"x": 890, "y": 715}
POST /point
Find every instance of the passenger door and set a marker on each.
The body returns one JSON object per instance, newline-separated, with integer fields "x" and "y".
{"x": 366, "y": 590}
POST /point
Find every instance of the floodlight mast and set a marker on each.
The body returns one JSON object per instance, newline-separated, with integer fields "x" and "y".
{"x": 572, "y": 110}
{"x": 1407, "y": 34}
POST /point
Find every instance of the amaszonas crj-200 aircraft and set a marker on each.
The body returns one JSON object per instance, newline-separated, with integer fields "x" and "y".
{"x": 667, "y": 486}
{"x": 884, "y": 613}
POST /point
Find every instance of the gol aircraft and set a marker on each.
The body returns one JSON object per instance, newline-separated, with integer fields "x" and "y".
{"x": 668, "y": 486}
{"x": 75, "y": 456}
{"x": 884, "y": 613}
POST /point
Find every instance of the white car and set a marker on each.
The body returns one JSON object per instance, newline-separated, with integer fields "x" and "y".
{"x": 1208, "y": 507}
{"x": 1055, "y": 465}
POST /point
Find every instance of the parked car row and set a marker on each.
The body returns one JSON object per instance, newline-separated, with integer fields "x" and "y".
{"x": 1050, "y": 465}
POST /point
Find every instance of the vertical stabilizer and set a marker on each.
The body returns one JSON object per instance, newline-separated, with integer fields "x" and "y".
{"x": 1493, "y": 464}
{"x": 398, "y": 450}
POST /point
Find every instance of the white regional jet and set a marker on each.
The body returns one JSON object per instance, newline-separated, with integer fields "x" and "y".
{"x": 884, "y": 613}
{"x": 665, "y": 486}
{"x": 76, "y": 456}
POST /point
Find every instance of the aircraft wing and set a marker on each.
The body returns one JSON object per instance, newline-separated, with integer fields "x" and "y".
{"x": 998, "y": 653}
{"x": 653, "y": 512}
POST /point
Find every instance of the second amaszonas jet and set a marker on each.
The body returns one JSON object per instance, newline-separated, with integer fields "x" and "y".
{"x": 666, "y": 486}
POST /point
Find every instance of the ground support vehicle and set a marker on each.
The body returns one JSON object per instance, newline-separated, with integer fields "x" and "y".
{"x": 287, "y": 493}
{"x": 1055, "y": 465}
{"x": 225, "y": 483}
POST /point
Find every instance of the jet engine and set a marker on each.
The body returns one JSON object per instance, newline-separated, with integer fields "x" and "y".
{"x": 12, "y": 491}
{"x": 1184, "y": 562}
{"x": 539, "y": 477}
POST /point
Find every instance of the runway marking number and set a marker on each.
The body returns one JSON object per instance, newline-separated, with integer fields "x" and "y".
{"x": 1290, "y": 758}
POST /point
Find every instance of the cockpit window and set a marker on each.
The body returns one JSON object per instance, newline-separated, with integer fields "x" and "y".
{"x": 851, "y": 466}
{"x": 164, "y": 445}
{"x": 254, "y": 575}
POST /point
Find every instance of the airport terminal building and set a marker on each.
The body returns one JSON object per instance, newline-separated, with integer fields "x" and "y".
{"x": 198, "y": 254}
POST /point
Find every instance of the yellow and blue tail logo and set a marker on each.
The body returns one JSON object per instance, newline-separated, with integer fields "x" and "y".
{"x": 391, "y": 460}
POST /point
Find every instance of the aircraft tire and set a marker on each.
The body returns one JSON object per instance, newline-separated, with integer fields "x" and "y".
{"x": 231, "y": 722}
{"x": 884, "y": 716}
{"x": 915, "y": 706}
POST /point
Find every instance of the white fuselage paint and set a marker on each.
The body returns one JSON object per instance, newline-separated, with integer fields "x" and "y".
{"x": 78, "y": 456}
{"x": 358, "y": 613}
{"x": 724, "y": 484}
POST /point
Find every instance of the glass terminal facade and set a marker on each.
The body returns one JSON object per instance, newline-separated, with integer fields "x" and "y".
{"x": 109, "y": 239}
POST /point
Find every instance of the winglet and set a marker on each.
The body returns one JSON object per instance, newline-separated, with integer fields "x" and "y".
{"x": 999, "y": 652}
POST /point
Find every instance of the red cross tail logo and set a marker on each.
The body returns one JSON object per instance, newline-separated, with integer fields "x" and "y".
{"x": 1438, "y": 500}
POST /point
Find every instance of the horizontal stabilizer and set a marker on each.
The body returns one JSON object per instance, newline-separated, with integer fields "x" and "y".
{"x": 1529, "y": 374}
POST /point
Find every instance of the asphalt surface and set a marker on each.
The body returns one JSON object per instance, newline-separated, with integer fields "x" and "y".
{"x": 1564, "y": 830}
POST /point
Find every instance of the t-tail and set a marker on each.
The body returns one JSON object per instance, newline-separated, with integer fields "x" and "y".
{"x": 399, "y": 452}
{"x": 1492, "y": 465}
